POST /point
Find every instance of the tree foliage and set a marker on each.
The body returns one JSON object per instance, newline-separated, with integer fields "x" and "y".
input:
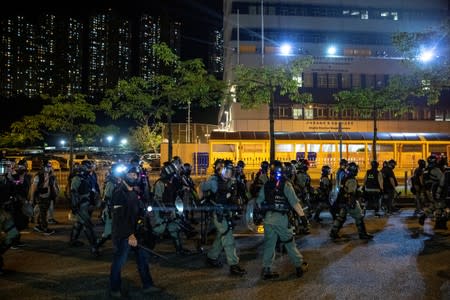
{"x": 256, "y": 86}
{"x": 429, "y": 77}
{"x": 133, "y": 99}
{"x": 146, "y": 138}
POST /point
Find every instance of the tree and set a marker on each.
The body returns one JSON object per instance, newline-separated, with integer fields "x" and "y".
{"x": 256, "y": 86}
{"x": 145, "y": 138}
{"x": 428, "y": 56}
{"x": 181, "y": 83}
{"x": 374, "y": 101}
{"x": 68, "y": 114}
{"x": 133, "y": 99}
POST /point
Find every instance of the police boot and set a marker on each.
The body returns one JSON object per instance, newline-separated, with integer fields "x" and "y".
{"x": 268, "y": 274}
{"x": 237, "y": 270}
{"x": 334, "y": 234}
{"x": 302, "y": 269}
{"x": 214, "y": 262}
{"x": 363, "y": 235}
{"x": 305, "y": 224}
{"x": 74, "y": 234}
{"x": 102, "y": 240}
{"x": 179, "y": 248}
{"x": 317, "y": 217}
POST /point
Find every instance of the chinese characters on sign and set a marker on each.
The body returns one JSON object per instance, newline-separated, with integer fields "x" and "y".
{"x": 327, "y": 126}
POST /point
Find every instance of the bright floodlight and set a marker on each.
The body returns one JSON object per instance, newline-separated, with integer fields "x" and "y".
{"x": 63, "y": 142}
{"x": 286, "y": 49}
{"x": 426, "y": 55}
{"x": 123, "y": 141}
{"x": 331, "y": 50}
{"x": 109, "y": 138}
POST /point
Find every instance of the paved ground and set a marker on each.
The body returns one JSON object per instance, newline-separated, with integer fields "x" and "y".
{"x": 402, "y": 262}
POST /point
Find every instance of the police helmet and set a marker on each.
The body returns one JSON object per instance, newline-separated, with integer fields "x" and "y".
{"x": 432, "y": 160}
{"x": 343, "y": 163}
{"x": 187, "y": 169}
{"x": 352, "y": 169}
{"x": 240, "y": 164}
{"x": 46, "y": 166}
{"x": 135, "y": 160}
{"x": 218, "y": 165}
{"x": 168, "y": 171}
{"x": 22, "y": 165}
{"x": 265, "y": 166}
{"x": 227, "y": 170}
{"x": 326, "y": 170}
{"x": 88, "y": 164}
{"x": 303, "y": 165}
{"x": 289, "y": 169}
{"x": 132, "y": 175}
{"x": 392, "y": 163}
{"x": 177, "y": 162}
{"x": 422, "y": 163}
{"x": 276, "y": 169}
{"x": 374, "y": 164}
{"x": 118, "y": 170}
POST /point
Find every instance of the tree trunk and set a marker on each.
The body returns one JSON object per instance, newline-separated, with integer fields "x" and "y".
{"x": 272, "y": 128}
{"x": 374, "y": 142}
{"x": 169, "y": 131}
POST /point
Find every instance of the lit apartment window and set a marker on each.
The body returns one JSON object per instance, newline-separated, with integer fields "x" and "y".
{"x": 394, "y": 16}
{"x": 384, "y": 14}
{"x": 364, "y": 15}
{"x": 345, "y": 12}
{"x": 309, "y": 113}
{"x": 297, "y": 113}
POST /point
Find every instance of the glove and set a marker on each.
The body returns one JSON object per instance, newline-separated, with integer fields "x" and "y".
{"x": 304, "y": 221}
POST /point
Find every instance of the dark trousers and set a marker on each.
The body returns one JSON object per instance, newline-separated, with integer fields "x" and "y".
{"x": 44, "y": 204}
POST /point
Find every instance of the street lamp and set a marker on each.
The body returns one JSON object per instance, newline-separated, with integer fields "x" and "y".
{"x": 123, "y": 142}
{"x": 426, "y": 55}
{"x": 109, "y": 138}
{"x": 286, "y": 49}
{"x": 331, "y": 50}
{"x": 63, "y": 143}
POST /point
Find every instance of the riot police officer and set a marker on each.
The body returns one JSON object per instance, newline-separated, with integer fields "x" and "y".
{"x": 262, "y": 176}
{"x": 418, "y": 185}
{"x": 348, "y": 203}
{"x": 373, "y": 187}
{"x": 82, "y": 207}
{"x": 340, "y": 176}
{"x": 434, "y": 180}
{"x": 303, "y": 185}
{"x": 8, "y": 230}
{"x": 166, "y": 215}
{"x": 389, "y": 185}
{"x": 324, "y": 191}
{"x": 277, "y": 198}
{"x": 218, "y": 190}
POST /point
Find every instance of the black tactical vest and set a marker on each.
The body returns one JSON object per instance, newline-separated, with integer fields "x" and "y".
{"x": 222, "y": 191}
{"x": 275, "y": 198}
{"x": 372, "y": 179}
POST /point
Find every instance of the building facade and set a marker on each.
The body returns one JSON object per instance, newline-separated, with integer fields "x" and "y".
{"x": 351, "y": 45}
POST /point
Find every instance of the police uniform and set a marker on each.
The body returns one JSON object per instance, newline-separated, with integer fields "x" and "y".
{"x": 219, "y": 190}
{"x": 325, "y": 187}
{"x": 434, "y": 181}
{"x": 277, "y": 198}
{"x": 107, "y": 211}
{"x": 8, "y": 230}
{"x": 348, "y": 203}
{"x": 165, "y": 193}
{"x": 82, "y": 209}
{"x": 373, "y": 183}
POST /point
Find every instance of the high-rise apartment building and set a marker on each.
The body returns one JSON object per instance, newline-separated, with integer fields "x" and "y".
{"x": 55, "y": 54}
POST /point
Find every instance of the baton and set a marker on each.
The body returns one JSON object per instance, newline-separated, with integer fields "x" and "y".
{"x": 153, "y": 252}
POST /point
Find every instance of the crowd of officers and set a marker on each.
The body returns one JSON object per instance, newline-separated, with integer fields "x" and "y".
{"x": 136, "y": 215}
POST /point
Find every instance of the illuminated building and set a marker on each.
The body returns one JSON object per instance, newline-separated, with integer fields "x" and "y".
{"x": 351, "y": 44}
